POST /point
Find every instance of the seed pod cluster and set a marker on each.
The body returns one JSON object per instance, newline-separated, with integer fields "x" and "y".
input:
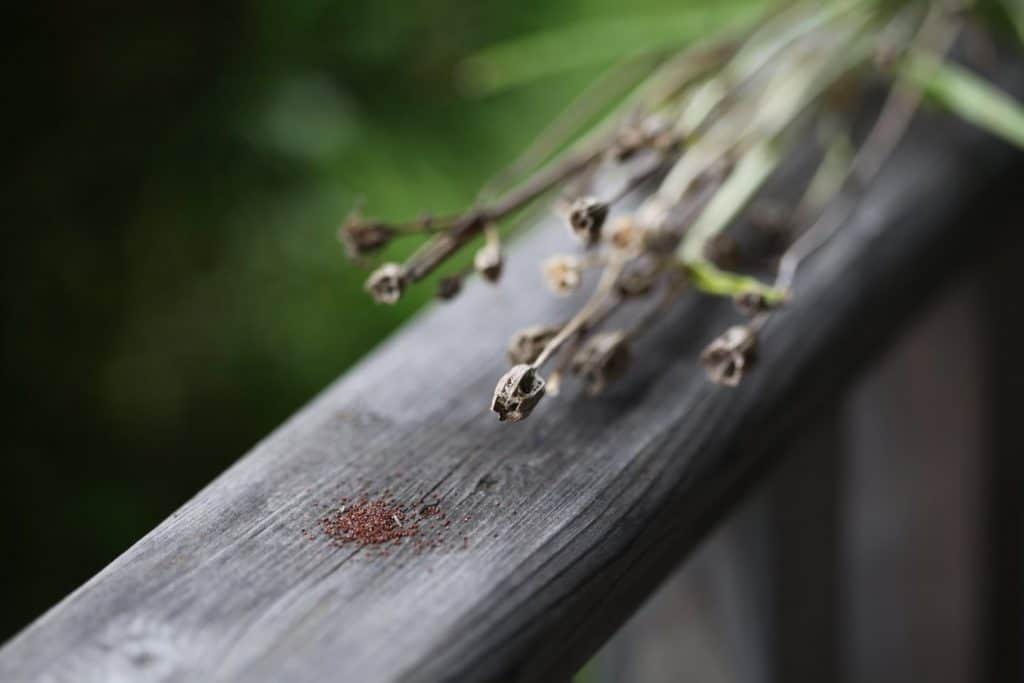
{"x": 697, "y": 153}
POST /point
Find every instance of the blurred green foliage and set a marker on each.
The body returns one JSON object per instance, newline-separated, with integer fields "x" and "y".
{"x": 173, "y": 177}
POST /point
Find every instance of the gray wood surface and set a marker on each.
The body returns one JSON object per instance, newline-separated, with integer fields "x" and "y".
{"x": 575, "y": 515}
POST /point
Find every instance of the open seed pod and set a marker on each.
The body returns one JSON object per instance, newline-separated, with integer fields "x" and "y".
{"x": 488, "y": 261}
{"x": 527, "y": 344}
{"x": 586, "y": 218}
{"x": 518, "y": 392}
{"x": 729, "y": 356}
{"x": 360, "y": 239}
{"x": 602, "y": 359}
{"x": 638, "y": 276}
{"x": 387, "y": 283}
{"x": 562, "y": 273}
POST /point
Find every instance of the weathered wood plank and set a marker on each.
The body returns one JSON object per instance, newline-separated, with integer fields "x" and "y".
{"x": 1003, "y": 563}
{"x": 913, "y": 539}
{"x": 599, "y": 499}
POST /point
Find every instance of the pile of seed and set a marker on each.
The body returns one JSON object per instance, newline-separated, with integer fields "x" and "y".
{"x": 368, "y": 522}
{"x": 377, "y": 522}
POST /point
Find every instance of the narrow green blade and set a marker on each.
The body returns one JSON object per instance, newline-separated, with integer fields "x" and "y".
{"x": 967, "y": 95}
{"x": 596, "y": 42}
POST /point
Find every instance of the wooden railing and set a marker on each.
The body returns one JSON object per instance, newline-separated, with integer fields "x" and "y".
{"x": 559, "y": 527}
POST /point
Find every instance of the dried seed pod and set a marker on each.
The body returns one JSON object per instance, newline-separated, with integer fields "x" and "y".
{"x": 625, "y": 234}
{"x": 360, "y": 238}
{"x": 629, "y": 142}
{"x": 752, "y": 303}
{"x": 602, "y": 359}
{"x": 518, "y": 392}
{"x": 654, "y": 131}
{"x": 488, "y": 261}
{"x": 527, "y": 344}
{"x": 449, "y": 287}
{"x": 387, "y": 283}
{"x": 637, "y": 277}
{"x": 729, "y": 356}
{"x": 562, "y": 273}
{"x": 586, "y": 218}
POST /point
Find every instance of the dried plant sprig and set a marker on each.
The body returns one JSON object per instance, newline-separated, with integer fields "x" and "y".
{"x": 696, "y": 143}
{"x": 937, "y": 32}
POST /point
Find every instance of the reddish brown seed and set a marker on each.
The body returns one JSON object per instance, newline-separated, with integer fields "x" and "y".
{"x": 376, "y": 520}
{"x": 368, "y": 522}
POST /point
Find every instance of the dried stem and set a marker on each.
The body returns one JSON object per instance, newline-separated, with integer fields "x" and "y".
{"x": 616, "y": 81}
{"x": 584, "y": 315}
{"x": 469, "y": 225}
{"x": 938, "y": 32}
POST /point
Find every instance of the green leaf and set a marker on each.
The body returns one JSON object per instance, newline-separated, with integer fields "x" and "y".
{"x": 710, "y": 279}
{"x": 967, "y": 95}
{"x": 595, "y": 43}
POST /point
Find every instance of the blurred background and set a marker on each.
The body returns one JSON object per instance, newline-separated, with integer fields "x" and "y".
{"x": 173, "y": 177}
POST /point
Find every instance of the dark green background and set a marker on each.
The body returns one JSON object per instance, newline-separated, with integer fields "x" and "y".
{"x": 173, "y": 175}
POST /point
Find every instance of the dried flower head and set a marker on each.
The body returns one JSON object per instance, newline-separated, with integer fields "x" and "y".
{"x": 488, "y": 261}
{"x": 562, "y": 273}
{"x": 527, "y": 343}
{"x": 602, "y": 359}
{"x": 518, "y": 392}
{"x": 361, "y": 238}
{"x": 586, "y": 218}
{"x": 449, "y": 287}
{"x": 387, "y": 283}
{"x": 730, "y": 355}
{"x": 625, "y": 234}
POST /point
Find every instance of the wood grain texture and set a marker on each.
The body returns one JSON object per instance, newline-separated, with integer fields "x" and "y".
{"x": 599, "y": 499}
